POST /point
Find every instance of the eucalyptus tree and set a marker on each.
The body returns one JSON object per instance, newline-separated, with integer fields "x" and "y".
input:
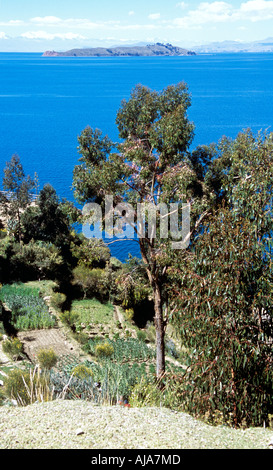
{"x": 17, "y": 196}
{"x": 151, "y": 166}
{"x": 222, "y": 296}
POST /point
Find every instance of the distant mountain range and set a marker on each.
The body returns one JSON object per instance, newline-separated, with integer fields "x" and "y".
{"x": 265, "y": 45}
{"x": 157, "y": 49}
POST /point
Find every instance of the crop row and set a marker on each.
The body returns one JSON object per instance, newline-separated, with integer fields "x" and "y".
{"x": 28, "y": 309}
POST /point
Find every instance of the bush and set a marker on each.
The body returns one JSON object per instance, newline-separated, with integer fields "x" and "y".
{"x": 150, "y": 332}
{"x": 47, "y": 358}
{"x": 27, "y": 386}
{"x": 81, "y": 337}
{"x": 145, "y": 393}
{"x": 171, "y": 349}
{"x": 167, "y": 392}
{"x": 81, "y": 371}
{"x": 92, "y": 282}
{"x": 13, "y": 347}
{"x": 58, "y": 300}
{"x": 141, "y": 335}
{"x": 104, "y": 350}
{"x": 70, "y": 319}
{"x": 69, "y": 386}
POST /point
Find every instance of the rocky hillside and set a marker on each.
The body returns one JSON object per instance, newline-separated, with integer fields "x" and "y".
{"x": 150, "y": 50}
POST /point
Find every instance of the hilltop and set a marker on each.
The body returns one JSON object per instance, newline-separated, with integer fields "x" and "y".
{"x": 149, "y": 50}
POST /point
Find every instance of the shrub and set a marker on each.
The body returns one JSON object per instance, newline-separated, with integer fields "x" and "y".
{"x": 117, "y": 379}
{"x": 27, "y": 386}
{"x": 129, "y": 314}
{"x": 47, "y": 358}
{"x": 167, "y": 392}
{"x": 69, "y": 386}
{"x": 141, "y": 335}
{"x": 70, "y": 319}
{"x": 104, "y": 350}
{"x": 58, "y": 300}
{"x": 171, "y": 349}
{"x": 145, "y": 393}
{"x": 150, "y": 332}
{"x": 13, "y": 347}
{"x": 92, "y": 282}
{"x": 81, "y": 337}
{"x": 81, "y": 371}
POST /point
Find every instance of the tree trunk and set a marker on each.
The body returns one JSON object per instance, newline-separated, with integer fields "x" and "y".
{"x": 160, "y": 333}
{"x": 158, "y": 308}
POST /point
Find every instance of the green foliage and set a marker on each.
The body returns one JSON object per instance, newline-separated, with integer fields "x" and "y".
{"x": 29, "y": 311}
{"x": 152, "y": 166}
{"x": 26, "y": 262}
{"x": 224, "y": 291}
{"x": 124, "y": 350}
{"x": 13, "y": 347}
{"x": 104, "y": 350}
{"x": 81, "y": 371}
{"x": 93, "y": 282}
{"x": 171, "y": 348}
{"x": 69, "y": 318}
{"x": 150, "y": 332}
{"x": 47, "y": 358}
{"x": 27, "y": 386}
{"x": 46, "y": 221}
{"x": 57, "y": 300}
{"x": 141, "y": 335}
{"x": 166, "y": 392}
{"x": 18, "y": 187}
{"x": 145, "y": 393}
{"x": 92, "y": 311}
{"x": 132, "y": 287}
{"x": 91, "y": 253}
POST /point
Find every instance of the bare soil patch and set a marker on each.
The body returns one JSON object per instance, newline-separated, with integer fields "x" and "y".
{"x": 53, "y": 338}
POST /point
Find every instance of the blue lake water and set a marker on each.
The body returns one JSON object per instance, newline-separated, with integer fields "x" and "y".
{"x": 45, "y": 102}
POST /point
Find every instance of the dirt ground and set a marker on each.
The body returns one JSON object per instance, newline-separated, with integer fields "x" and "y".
{"x": 53, "y": 338}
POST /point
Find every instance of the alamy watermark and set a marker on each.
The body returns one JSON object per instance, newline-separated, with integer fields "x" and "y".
{"x": 147, "y": 220}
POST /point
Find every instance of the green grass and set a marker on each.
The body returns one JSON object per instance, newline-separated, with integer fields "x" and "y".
{"x": 29, "y": 311}
{"x": 19, "y": 289}
{"x": 92, "y": 311}
{"x": 4, "y": 369}
{"x": 45, "y": 287}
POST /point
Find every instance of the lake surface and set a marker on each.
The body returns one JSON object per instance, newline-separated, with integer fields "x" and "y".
{"x": 45, "y": 102}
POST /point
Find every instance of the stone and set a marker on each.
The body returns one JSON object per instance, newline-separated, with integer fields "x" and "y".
{"x": 79, "y": 432}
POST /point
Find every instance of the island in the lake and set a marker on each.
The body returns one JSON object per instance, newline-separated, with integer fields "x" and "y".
{"x": 150, "y": 50}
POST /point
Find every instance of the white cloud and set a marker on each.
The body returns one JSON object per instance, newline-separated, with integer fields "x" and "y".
{"x": 215, "y": 12}
{"x": 131, "y": 13}
{"x": 256, "y": 10}
{"x": 223, "y": 12}
{"x": 11, "y": 23}
{"x": 3, "y": 35}
{"x": 257, "y": 5}
{"x": 85, "y": 23}
{"x": 50, "y": 36}
{"x": 182, "y": 5}
{"x": 154, "y": 16}
{"x": 50, "y": 20}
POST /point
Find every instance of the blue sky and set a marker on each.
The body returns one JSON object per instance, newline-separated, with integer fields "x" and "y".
{"x": 36, "y": 25}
